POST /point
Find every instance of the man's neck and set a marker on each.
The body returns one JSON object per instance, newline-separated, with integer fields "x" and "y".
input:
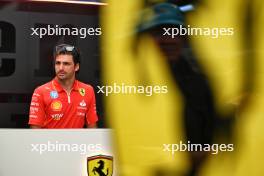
{"x": 66, "y": 84}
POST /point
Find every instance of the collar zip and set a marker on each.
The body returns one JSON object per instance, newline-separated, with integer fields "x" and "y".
{"x": 68, "y": 95}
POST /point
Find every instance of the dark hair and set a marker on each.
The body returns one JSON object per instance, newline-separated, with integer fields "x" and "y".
{"x": 67, "y": 49}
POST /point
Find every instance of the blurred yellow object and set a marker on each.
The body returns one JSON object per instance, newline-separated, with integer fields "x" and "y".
{"x": 142, "y": 124}
{"x": 225, "y": 59}
{"x": 221, "y": 57}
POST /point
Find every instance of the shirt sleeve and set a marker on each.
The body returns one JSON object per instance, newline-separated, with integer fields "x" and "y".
{"x": 91, "y": 115}
{"x": 37, "y": 109}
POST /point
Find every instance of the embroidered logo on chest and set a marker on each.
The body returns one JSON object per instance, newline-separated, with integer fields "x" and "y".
{"x": 82, "y": 91}
{"x": 82, "y": 103}
{"x": 56, "y": 116}
{"x": 54, "y": 94}
{"x": 56, "y": 105}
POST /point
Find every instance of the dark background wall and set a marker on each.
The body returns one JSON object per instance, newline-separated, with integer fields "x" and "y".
{"x": 26, "y": 60}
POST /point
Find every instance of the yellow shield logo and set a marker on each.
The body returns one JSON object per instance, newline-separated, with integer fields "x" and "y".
{"x": 56, "y": 105}
{"x": 82, "y": 91}
{"x": 100, "y": 165}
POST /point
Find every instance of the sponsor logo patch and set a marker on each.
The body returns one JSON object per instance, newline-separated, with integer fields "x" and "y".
{"x": 34, "y": 104}
{"x": 56, "y": 105}
{"x": 82, "y": 91}
{"x": 33, "y": 110}
{"x": 54, "y": 94}
{"x": 82, "y": 103}
{"x": 56, "y": 116}
{"x": 33, "y": 116}
{"x": 82, "y": 114}
{"x": 34, "y": 98}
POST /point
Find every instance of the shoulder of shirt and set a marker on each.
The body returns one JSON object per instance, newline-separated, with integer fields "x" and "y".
{"x": 44, "y": 87}
{"x": 84, "y": 85}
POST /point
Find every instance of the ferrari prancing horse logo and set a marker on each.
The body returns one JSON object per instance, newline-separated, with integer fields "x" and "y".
{"x": 100, "y": 165}
{"x": 82, "y": 91}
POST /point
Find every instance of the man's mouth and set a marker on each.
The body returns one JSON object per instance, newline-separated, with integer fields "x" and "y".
{"x": 61, "y": 73}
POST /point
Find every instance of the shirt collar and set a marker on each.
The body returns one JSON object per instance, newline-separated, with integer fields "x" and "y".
{"x": 56, "y": 85}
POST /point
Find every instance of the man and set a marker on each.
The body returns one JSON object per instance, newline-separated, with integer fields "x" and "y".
{"x": 199, "y": 112}
{"x": 64, "y": 102}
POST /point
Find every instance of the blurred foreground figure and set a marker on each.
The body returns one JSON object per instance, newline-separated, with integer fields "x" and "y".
{"x": 199, "y": 111}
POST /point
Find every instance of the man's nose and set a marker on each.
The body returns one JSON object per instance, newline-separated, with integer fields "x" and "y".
{"x": 61, "y": 67}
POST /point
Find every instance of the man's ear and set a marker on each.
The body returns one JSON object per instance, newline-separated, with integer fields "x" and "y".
{"x": 77, "y": 67}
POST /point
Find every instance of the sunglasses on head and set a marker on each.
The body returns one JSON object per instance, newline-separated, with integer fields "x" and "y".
{"x": 67, "y": 48}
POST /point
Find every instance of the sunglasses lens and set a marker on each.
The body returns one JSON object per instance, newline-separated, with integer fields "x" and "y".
{"x": 69, "y": 48}
{"x": 64, "y": 48}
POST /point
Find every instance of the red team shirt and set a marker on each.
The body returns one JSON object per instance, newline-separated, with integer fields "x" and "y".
{"x": 52, "y": 107}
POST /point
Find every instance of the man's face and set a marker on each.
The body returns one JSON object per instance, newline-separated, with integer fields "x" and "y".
{"x": 171, "y": 47}
{"x": 64, "y": 67}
